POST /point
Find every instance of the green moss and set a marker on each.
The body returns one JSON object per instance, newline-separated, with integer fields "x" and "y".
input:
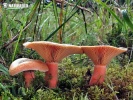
{"x": 72, "y": 85}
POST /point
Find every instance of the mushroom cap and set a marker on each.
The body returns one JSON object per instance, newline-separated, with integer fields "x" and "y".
{"x": 102, "y": 54}
{"x": 25, "y": 64}
{"x": 53, "y": 52}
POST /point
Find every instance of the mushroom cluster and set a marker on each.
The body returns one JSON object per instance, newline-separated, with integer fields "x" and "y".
{"x": 52, "y": 53}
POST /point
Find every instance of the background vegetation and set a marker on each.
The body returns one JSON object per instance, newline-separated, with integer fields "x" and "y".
{"x": 89, "y": 22}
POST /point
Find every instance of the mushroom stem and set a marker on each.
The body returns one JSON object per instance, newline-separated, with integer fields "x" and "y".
{"x": 28, "y": 76}
{"x": 51, "y": 76}
{"x": 98, "y": 75}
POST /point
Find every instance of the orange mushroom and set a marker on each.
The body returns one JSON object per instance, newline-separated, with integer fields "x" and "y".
{"x": 101, "y": 56}
{"x": 27, "y": 66}
{"x": 53, "y": 53}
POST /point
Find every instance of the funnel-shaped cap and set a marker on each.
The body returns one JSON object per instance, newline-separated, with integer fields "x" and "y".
{"x": 25, "y": 64}
{"x": 53, "y": 52}
{"x": 101, "y": 55}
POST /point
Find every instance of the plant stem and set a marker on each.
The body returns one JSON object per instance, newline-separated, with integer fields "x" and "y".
{"x": 60, "y": 21}
{"x": 28, "y": 76}
{"x": 51, "y": 76}
{"x": 98, "y": 75}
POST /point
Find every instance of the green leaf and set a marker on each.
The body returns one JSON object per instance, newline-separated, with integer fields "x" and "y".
{"x": 4, "y": 69}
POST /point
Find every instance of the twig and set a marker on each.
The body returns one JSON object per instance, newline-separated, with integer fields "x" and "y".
{"x": 14, "y": 38}
{"x": 83, "y": 8}
{"x": 65, "y": 2}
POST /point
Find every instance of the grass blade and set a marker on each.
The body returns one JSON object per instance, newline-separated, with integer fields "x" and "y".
{"x": 33, "y": 10}
{"x": 29, "y": 18}
{"x": 112, "y": 12}
{"x": 60, "y": 26}
{"x": 127, "y": 19}
{"x": 2, "y": 87}
{"x": 4, "y": 69}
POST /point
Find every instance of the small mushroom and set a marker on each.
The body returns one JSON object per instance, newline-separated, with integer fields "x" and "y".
{"x": 101, "y": 56}
{"x": 27, "y": 66}
{"x": 53, "y": 53}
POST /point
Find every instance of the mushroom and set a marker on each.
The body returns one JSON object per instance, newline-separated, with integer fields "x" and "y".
{"x": 27, "y": 66}
{"x": 52, "y": 53}
{"x": 101, "y": 56}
